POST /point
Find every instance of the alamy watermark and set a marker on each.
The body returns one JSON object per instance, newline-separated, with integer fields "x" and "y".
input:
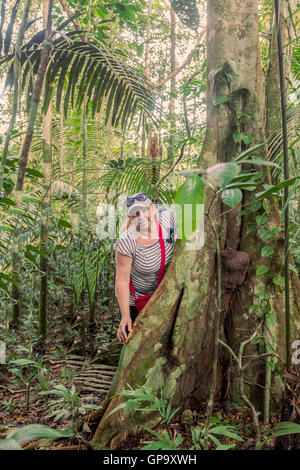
{"x": 296, "y": 354}
{"x": 189, "y": 220}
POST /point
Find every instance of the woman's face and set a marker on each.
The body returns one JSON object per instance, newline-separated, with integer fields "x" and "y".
{"x": 143, "y": 219}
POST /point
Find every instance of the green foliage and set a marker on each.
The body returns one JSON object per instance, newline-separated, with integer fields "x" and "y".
{"x": 285, "y": 428}
{"x": 134, "y": 175}
{"x": 146, "y": 399}
{"x": 32, "y": 432}
{"x": 68, "y": 404}
{"x": 232, "y": 197}
{"x": 163, "y": 442}
{"x": 90, "y": 70}
{"x": 222, "y": 173}
{"x": 225, "y": 430}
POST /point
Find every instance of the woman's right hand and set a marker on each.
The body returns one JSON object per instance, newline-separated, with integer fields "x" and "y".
{"x": 121, "y": 333}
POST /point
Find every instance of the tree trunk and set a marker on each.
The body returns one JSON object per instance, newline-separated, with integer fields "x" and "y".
{"x": 36, "y": 94}
{"x": 172, "y": 130}
{"x": 173, "y": 337}
{"x": 46, "y": 204}
{"x": 154, "y": 154}
{"x": 84, "y": 129}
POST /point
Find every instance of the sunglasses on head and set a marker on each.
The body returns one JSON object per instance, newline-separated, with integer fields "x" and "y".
{"x": 139, "y": 197}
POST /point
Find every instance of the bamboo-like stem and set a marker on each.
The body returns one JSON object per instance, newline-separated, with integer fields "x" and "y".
{"x": 46, "y": 204}
{"x": 84, "y": 158}
{"x": 84, "y": 128}
{"x": 36, "y": 96}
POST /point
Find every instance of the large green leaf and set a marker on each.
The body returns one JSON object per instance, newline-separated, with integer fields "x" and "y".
{"x": 232, "y": 197}
{"x": 281, "y": 429}
{"x": 275, "y": 188}
{"x": 32, "y": 432}
{"x": 223, "y": 173}
{"x": 259, "y": 162}
{"x": 9, "y": 444}
{"x": 249, "y": 152}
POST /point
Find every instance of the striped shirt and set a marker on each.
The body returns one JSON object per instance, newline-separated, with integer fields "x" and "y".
{"x": 147, "y": 258}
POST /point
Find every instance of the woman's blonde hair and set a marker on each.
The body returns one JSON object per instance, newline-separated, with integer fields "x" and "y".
{"x": 126, "y": 224}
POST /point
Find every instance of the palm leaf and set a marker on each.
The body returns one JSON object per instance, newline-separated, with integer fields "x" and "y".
{"x": 136, "y": 176}
{"x": 275, "y": 141}
{"x": 91, "y": 70}
{"x": 10, "y": 27}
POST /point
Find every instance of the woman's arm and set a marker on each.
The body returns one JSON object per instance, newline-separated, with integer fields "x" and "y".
{"x": 123, "y": 267}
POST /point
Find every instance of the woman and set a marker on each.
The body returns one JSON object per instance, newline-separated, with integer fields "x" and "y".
{"x": 143, "y": 253}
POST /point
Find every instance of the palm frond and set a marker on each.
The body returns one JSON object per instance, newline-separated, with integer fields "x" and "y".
{"x": 275, "y": 141}
{"x": 10, "y": 28}
{"x": 136, "y": 176}
{"x": 26, "y": 219}
{"x": 90, "y": 70}
{"x": 295, "y": 65}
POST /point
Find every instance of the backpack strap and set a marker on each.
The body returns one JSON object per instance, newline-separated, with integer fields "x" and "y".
{"x": 162, "y": 262}
{"x": 162, "y": 253}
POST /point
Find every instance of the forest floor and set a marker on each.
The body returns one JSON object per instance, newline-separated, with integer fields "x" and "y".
{"x": 21, "y": 402}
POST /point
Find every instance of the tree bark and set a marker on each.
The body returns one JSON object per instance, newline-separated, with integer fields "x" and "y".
{"x": 173, "y": 337}
{"x": 172, "y": 130}
{"x": 36, "y": 95}
{"x": 84, "y": 129}
{"x": 46, "y": 204}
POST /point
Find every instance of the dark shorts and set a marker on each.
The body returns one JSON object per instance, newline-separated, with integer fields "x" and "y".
{"x": 133, "y": 314}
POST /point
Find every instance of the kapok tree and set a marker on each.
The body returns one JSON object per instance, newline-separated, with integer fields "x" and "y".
{"x": 174, "y": 337}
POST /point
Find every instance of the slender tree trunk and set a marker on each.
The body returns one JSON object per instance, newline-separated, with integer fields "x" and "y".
{"x": 155, "y": 154}
{"x": 16, "y": 262}
{"x": 84, "y": 129}
{"x": 174, "y": 336}
{"x": 172, "y": 130}
{"x": 62, "y": 140}
{"x": 15, "y": 292}
{"x": 2, "y": 19}
{"x": 84, "y": 157}
{"x": 36, "y": 95}
{"x": 46, "y": 204}
{"x": 146, "y": 72}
